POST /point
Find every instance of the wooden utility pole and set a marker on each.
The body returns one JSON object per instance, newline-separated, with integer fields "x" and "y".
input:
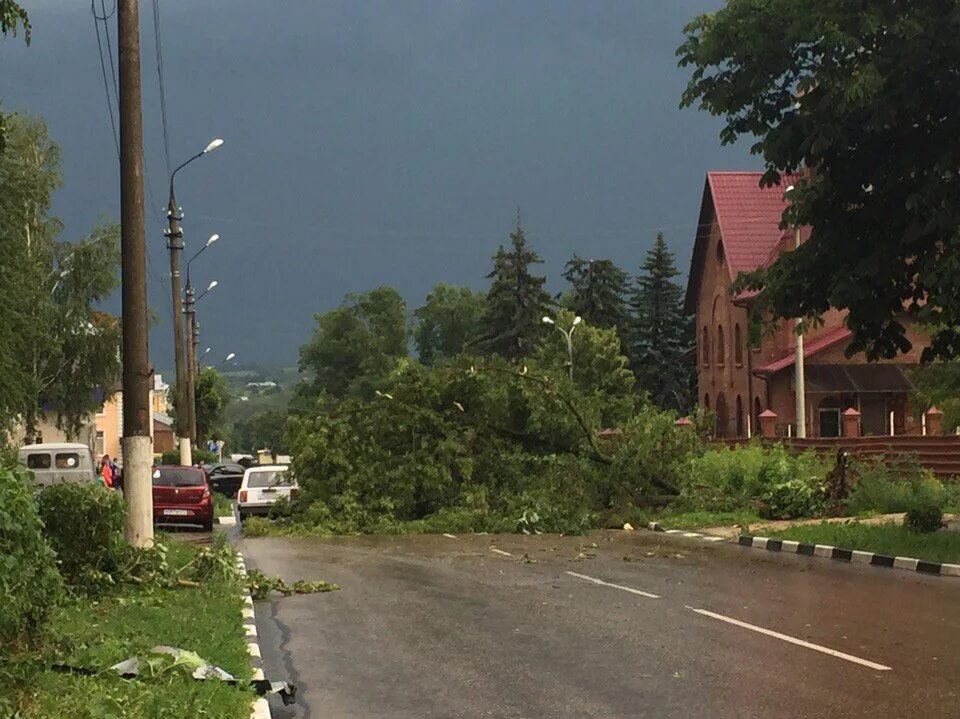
{"x": 137, "y": 417}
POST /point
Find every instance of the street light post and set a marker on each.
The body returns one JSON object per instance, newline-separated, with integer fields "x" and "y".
{"x": 568, "y": 336}
{"x": 189, "y": 310}
{"x": 174, "y": 235}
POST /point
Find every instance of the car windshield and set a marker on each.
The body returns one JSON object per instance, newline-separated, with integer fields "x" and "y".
{"x": 269, "y": 478}
{"x": 177, "y": 477}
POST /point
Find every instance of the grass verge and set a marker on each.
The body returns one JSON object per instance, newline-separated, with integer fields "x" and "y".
{"x": 889, "y": 538}
{"x": 97, "y": 634}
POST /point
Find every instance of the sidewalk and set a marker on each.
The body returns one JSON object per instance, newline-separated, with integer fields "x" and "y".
{"x": 733, "y": 531}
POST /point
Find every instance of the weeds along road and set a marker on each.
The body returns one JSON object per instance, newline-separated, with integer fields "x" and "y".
{"x": 642, "y": 625}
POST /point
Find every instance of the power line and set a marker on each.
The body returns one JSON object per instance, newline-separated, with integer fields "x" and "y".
{"x": 103, "y": 71}
{"x": 163, "y": 93}
{"x": 106, "y": 31}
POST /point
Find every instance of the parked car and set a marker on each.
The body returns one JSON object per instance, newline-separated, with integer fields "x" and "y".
{"x": 56, "y": 462}
{"x": 181, "y": 495}
{"x": 261, "y": 488}
{"x": 225, "y": 478}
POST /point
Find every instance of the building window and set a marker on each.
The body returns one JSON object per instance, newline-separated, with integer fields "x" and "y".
{"x": 98, "y": 444}
{"x": 706, "y": 402}
{"x": 740, "y": 432}
{"x": 705, "y": 344}
{"x": 723, "y": 417}
{"x": 737, "y": 345}
{"x": 721, "y": 348}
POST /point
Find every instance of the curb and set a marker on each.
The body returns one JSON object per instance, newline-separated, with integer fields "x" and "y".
{"x": 851, "y": 556}
{"x": 260, "y": 708}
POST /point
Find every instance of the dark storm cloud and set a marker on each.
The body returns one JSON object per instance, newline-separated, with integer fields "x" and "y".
{"x": 381, "y": 143}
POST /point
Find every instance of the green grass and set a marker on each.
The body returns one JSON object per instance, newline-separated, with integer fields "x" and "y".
{"x": 888, "y": 538}
{"x": 222, "y": 506}
{"x": 97, "y": 634}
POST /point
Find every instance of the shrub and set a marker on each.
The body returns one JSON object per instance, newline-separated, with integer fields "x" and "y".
{"x": 923, "y": 519}
{"x": 772, "y": 480}
{"x": 84, "y": 523}
{"x": 892, "y": 486}
{"x": 30, "y": 586}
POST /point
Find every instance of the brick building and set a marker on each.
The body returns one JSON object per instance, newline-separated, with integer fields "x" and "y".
{"x": 738, "y": 231}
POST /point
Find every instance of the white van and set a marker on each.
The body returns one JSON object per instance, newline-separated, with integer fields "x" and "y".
{"x": 57, "y": 462}
{"x": 262, "y": 486}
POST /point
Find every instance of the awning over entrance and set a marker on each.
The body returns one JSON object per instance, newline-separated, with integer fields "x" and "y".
{"x": 856, "y": 378}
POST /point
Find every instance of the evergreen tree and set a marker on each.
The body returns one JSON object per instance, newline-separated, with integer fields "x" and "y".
{"x": 661, "y": 335}
{"x": 516, "y": 302}
{"x": 598, "y": 290}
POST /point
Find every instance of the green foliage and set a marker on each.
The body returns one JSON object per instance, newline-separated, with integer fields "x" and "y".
{"x": 773, "y": 481}
{"x": 888, "y": 486}
{"x": 834, "y": 86}
{"x": 197, "y": 454}
{"x": 261, "y": 431}
{"x": 84, "y": 522}
{"x": 447, "y": 323}
{"x": 516, "y": 301}
{"x": 211, "y": 398}
{"x": 598, "y": 291}
{"x": 55, "y": 347}
{"x": 937, "y": 384}
{"x": 355, "y": 346}
{"x": 30, "y": 586}
{"x": 261, "y": 585}
{"x": 923, "y": 518}
{"x": 661, "y": 334}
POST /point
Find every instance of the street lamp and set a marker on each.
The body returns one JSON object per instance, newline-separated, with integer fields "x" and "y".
{"x": 568, "y": 336}
{"x": 225, "y": 360}
{"x": 193, "y": 337}
{"x": 174, "y": 235}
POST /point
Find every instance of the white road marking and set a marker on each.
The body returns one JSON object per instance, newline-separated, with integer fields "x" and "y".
{"x": 713, "y": 539}
{"x": 792, "y": 640}
{"x": 500, "y": 551}
{"x": 602, "y": 583}
{"x": 449, "y": 536}
{"x": 227, "y": 520}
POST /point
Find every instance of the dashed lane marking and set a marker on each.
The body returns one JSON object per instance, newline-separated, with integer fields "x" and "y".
{"x": 602, "y": 583}
{"x": 792, "y": 640}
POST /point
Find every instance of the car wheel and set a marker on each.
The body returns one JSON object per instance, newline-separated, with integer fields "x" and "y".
{"x": 208, "y": 525}
{"x": 241, "y": 514}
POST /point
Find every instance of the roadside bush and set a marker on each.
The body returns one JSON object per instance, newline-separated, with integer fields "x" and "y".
{"x": 84, "y": 523}
{"x": 30, "y": 585}
{"x": 888, "y": 487}
{"x": 775, "y": 482}
{"x": 923, "y": 519}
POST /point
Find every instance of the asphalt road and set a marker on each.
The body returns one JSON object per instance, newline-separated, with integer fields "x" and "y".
{"x": 643, "y": 625}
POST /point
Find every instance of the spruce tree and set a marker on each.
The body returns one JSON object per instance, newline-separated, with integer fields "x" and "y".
{"x": 661, "y": 335}
{"x": 598, "y": 290}
{"x": 516, "y": 302}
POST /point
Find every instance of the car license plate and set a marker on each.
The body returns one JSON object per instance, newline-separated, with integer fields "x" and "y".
{"x": 176, "y": 512}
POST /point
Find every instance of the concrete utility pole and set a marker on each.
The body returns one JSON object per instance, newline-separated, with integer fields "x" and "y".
{"x": 136, "y": 443}
{"x": 799, "y": 383}
{"x": 190, "y": 313}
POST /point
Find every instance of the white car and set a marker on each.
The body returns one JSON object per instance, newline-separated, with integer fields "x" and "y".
{"x": 262, "y": 486}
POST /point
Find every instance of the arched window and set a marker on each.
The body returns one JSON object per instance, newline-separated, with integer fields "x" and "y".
{"x": 721, "y": 348}
{"x": 740, "y": 430}
{"x": 737, "y": 345}
{"x": 723, "y": 417}
{"x": 705, "y": 345}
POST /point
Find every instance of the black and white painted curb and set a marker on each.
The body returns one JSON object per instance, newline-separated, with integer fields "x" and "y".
{"x": 851, "y": 556}
{"x": 261, "y": 709}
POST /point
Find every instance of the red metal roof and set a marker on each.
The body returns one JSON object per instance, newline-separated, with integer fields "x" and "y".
{"x": 749, "y": 220}
{"x": 749, "y": 217}
{"x": 827, "y": 339}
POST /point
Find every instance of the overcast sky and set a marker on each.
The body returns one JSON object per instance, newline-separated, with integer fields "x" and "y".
{"x": 371, "y": 143}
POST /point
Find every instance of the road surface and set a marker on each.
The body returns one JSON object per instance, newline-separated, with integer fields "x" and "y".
{"x": 642, "y": 625}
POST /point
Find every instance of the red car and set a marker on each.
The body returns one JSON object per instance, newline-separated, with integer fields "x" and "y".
{"x": 181, "y": 495}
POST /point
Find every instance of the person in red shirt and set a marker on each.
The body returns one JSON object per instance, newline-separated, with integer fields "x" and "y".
{"x": 105, "y": 471}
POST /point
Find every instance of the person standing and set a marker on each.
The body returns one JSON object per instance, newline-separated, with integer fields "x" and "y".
{"x": 105, "y": 471}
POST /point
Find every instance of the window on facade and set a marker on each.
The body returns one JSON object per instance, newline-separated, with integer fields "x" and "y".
{"x": 721, "y": 347}
{"x": 737, "y": 345}
{"x": 740, "y": 430}
{"x": 98, "y": 444}
{"x": 705, "y": 344}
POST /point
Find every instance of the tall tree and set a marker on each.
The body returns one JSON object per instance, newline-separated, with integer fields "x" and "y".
{"x": 447, "y": 322}
{"x": 354, "y": 346}
{"x": 211, "y": 395}
{"x": 866, "y": 94}
{"x": 12, "y": 16}
{"x": 56, "y": 348}
{"x": 516, "y": 301}
{"x": 661, "y": 335}
{"x": 598, "y": 290}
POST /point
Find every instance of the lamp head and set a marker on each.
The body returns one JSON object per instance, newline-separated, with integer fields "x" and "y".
{"x": 547, "y": 321}
{"x": 211, "y": 285}
{"x": 213, "y": 238}
{"x": 230, "y": 356}
{"x": 577, "y": 320}
{"x": 214, "y": 144}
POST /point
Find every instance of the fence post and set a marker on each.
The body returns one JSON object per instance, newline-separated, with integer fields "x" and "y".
{"x": 851, "y": 422}
{"x": 768, "y": 423}
{"x": 934, "y": 418}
